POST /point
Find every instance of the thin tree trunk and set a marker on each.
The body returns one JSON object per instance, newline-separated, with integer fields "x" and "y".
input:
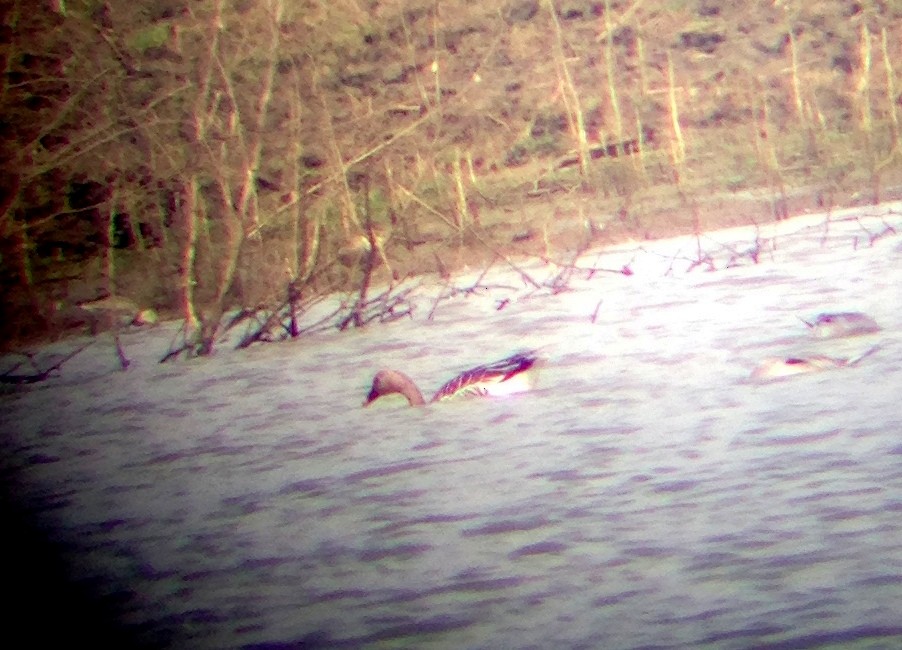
{"x": 188, "y": 212}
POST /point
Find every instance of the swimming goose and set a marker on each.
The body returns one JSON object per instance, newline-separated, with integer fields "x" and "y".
{"x": 505, "y": 377}
{"x": 786, "y": 366}
{"x": 849, "y": 323}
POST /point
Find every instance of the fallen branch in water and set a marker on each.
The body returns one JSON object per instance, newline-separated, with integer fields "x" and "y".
{"x": 560, "y": 281}
{"x": 40, "y": 375}
{"x": 472, "y": 289}
{"x": 124, "y": 361}
{"x": 595, "y": 312}
{"x": 454, "y": 290}
{"x": 189, "y": 345}
{"x": 590, "y": 271}
{"x": 323, "y": 324}
{"x": 705, "y": 257}
{"x": 285, "y": 317}
{"x": 263, "y": 332}
{"x": 387, "y": 307}
{"x": 873, "y": 237}
{"x": 702, "y": 260}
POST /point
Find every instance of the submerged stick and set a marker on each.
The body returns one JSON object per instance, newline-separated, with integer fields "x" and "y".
{"x": 595, "y": 313}
{"x": 124, "y": 361}
{"x": 42, "y": 374}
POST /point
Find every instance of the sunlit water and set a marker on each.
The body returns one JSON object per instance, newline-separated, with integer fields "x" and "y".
{"x": 647, "y": 495}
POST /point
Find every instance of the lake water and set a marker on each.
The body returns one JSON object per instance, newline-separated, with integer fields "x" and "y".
{"x": 647, "y": 495}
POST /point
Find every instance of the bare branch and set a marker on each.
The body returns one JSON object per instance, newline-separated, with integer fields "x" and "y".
{"x": 41, "y": 375}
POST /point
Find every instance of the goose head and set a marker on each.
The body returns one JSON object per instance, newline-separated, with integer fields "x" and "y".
{"x": 387, "y": 382}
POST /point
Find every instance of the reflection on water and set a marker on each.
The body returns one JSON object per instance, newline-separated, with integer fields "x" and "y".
{"x": 648, "y": 494}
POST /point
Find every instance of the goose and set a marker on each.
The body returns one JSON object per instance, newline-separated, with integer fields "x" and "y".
{"x": 849, "y": 323}
{"x": 786, "y": 366}
{"x": 498, "y": 379}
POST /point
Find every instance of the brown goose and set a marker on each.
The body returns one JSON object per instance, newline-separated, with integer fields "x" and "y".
{"x": 786, "y": 366}
{"x": 504, "y": 377}
{"x": 847, "y": 323}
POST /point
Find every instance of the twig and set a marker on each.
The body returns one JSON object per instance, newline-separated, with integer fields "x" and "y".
{"x": 469, "y": 290}
{"x": 873, "y": 237}
{"x": 702, "y": 260}
{"x": 438, "y": 299}
{"x": 41, "y": 375}
{"x": 263, "y": 331}
{"x": 185, "y": 346}
{"x": 173, "y": 353}
{"x": 590, "y": 271}
{"x": 595, "y": 312}
{"x": 124, "y": 361}
{"x": 383, "y": 308}
{"x": 318, "y": 325}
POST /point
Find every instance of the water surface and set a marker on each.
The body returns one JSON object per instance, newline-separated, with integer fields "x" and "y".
{"x": 647, "y": 495}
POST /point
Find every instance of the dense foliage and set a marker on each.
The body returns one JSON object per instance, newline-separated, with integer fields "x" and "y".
{"x": 201, "y": 155}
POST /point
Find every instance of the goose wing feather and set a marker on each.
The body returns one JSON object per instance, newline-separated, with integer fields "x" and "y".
{"x": 478, "y": 380}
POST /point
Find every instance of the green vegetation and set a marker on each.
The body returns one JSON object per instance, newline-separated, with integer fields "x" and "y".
{"x": 201, "y": 156}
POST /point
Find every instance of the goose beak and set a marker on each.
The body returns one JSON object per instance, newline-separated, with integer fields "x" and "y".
{"x": 371, "y": 397}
